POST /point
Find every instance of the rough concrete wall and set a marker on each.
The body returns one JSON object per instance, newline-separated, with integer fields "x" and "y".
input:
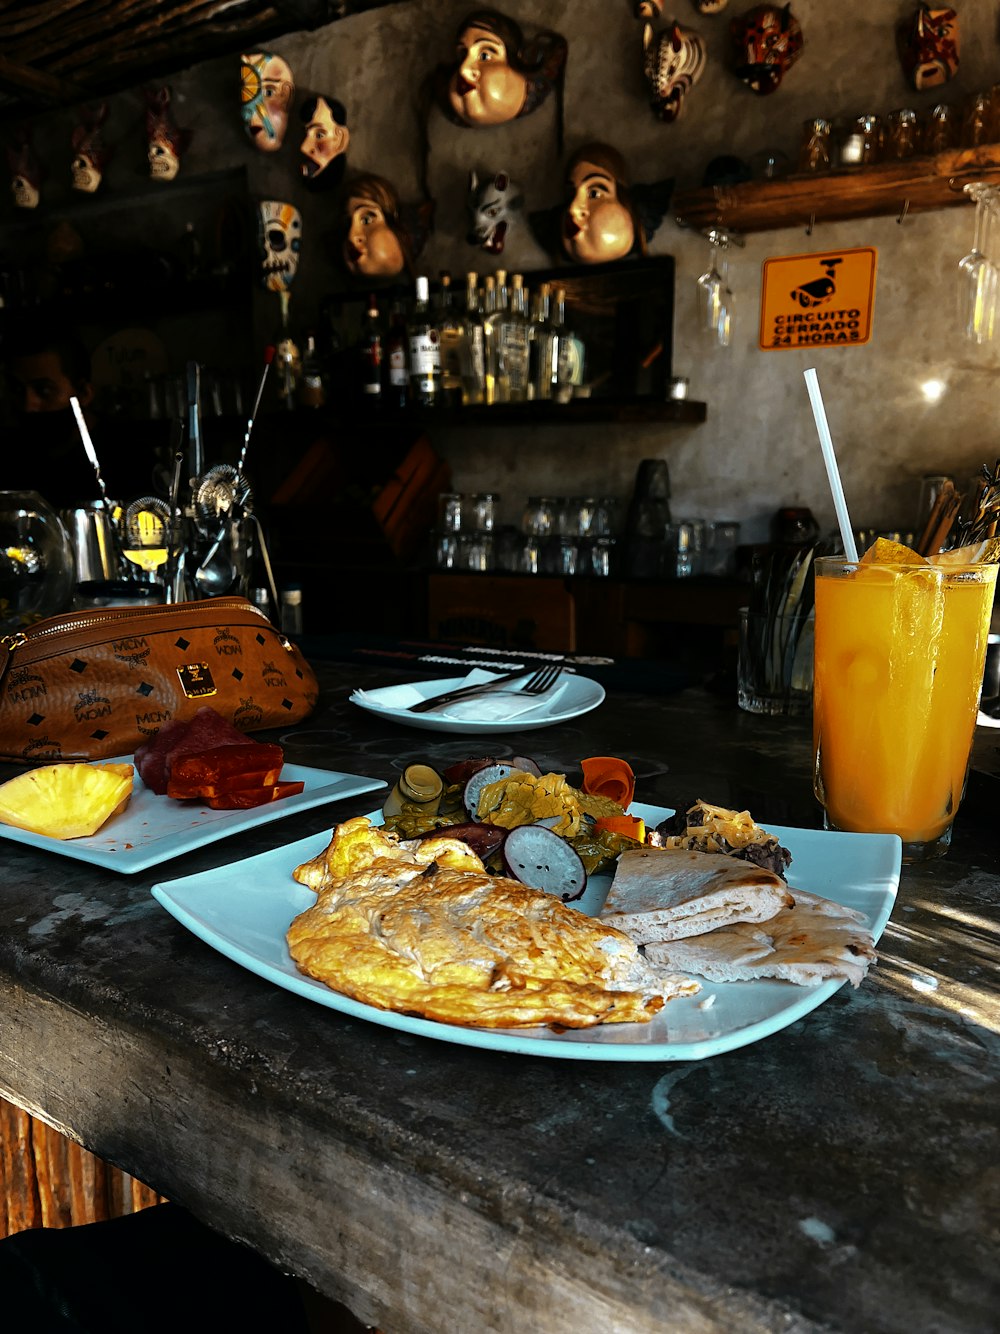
{"x": 758, "y": 448}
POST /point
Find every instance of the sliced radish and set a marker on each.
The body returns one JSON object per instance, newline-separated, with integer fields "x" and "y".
{"x": 541, "y": 859}
{"x": 483, "y": 839}
{"x": 462, "y": 770}
{"x": 526, "y": 763}
{"x": 482, "y": 778}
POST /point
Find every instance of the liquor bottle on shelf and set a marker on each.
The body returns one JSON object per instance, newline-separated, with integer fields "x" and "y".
{"x": 396, "y": 380}
{"x": 570, "y": 357}
{"x": 542, "y": 345}
{"x": 451, "y": 329}
{"x": 287, "y": 360}
{"x": 425, "y": 352}
{"x": 502, "y": 305}
{"x": 513, "y": 350}
{"x": 370, "y": 356}
{"x": 490, "y": 326}
{"x": 473, "y": 363}
{"x": 312, "y": 382}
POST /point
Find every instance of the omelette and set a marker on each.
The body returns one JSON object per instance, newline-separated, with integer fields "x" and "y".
{"x": 417, "y": 926}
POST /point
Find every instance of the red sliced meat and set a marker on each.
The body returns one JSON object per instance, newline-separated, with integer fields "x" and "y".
{"x": 207, "y": 730}
{"x": 244, "y": 798}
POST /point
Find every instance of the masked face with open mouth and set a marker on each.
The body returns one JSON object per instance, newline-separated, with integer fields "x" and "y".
{"x": 266, "y": 91}
{"x": 597, "y": 224}
{"x": 484, "y": 88}
{"x": 325, "y": 143}
{"x": 372, "y": 247}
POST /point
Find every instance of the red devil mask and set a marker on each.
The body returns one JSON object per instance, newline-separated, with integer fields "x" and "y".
{"x": 90, "y": 154}
{"x": 25, "y": 170}
{"x": 165, "y": 142}
{"x": 767, "y": 41}
{"x": 928, "y": 47}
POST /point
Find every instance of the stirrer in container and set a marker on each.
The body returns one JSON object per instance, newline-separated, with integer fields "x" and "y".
{"x": 88, "y": 445}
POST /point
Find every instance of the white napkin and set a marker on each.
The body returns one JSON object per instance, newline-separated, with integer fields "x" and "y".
{"x": 510, "y": 702}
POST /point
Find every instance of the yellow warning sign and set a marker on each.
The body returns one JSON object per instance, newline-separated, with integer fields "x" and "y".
{"x": 821, "y": 300}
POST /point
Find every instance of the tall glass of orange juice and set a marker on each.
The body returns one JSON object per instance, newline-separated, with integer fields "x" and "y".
{"x": 899, "y": 657}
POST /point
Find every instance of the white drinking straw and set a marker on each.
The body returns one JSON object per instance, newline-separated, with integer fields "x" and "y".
{"x": 830, "y": 459}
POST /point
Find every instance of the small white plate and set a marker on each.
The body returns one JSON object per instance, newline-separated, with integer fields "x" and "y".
{"x": 575, "y": 695}
{"x": 244, "y": 910}
{"x": 153, "y": 828}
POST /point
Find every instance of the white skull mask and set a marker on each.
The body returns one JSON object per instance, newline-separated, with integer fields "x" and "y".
{"x": 26, "y": 194}
{"x": 280, "y": 236}
{"x": 164, "y": 163}
{"x": 86, "y": 174}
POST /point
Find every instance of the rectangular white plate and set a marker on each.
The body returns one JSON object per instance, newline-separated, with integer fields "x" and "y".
{"x": 153, "y": 828}
{"x": 244, "y": 910}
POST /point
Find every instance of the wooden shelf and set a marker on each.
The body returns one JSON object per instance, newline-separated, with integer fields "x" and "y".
{"x": 886, "y": 189}
{"x": 577, "y": 411}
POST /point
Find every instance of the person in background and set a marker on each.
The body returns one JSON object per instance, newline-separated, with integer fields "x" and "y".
{"x": 40, "y": 445}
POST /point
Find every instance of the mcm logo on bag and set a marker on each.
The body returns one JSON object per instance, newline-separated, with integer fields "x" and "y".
{"x": 248, "y": 714}
{"x": 90, "y": 705}
{"x": 42, "y": 748}
{"x": 23, "y": 685}
{"x": 148, "y": 724}
{"x": 133, "y": 651}
{"x": 226, "y": 642}
{"x": 272, "y": 675}
{"x": 196, "y": 679}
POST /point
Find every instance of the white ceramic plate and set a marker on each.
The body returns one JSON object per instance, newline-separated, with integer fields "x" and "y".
{"x": 244, "y": 909}
{"x": 153, "y": 828}
{"x": 574, "y": 696}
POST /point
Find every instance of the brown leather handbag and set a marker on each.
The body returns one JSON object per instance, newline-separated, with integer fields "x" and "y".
{"x": 91, "y": 684}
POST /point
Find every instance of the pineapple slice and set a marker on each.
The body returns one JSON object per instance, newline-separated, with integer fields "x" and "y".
{"x": 66, "y": 800}
{"x": 883, "y": 551}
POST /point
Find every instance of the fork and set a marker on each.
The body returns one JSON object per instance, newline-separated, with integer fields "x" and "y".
{"x": 537, "y": 684}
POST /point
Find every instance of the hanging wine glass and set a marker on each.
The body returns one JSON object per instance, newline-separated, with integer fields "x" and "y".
{"x": 977, "y": 291}
{"x": 714, "y": 293}
{"x": 710, "y": 289}
{"x": 724, "y": 326}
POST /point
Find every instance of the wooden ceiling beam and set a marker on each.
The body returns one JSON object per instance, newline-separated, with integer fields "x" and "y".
{"x": 57, "y": 52}
{"x": 50, "y": 87}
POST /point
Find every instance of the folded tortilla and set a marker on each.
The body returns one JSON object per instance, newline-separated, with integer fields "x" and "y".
{"x": 807, "y": 943}
{"x": 666, "y": 893}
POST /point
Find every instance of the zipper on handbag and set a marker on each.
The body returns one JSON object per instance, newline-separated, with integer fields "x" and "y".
{"x": 67, "y": 623}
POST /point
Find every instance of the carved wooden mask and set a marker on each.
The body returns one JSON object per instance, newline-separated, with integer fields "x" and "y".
{"x": 599, "y": 222}
{"x": 376, "y": 241}
{"x": 25, "y": 170}
{"x": 767, "y": 41}
{"x": 90, "y": 153}
{"x": 928, "y": 47}
{"x": 498, "y": 75}
{"x": 324, "y": 148}
{"x": 279, "y": 232}
{"x": 495, "y": 203}
{"x": 673, "y": 62}
{"x": 166, "y": 143}
{"x": 266, "y": 90}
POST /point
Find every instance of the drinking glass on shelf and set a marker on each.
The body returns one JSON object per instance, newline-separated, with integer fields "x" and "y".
{"x": 539, "y": 518}
{"x": 977, "y": 290}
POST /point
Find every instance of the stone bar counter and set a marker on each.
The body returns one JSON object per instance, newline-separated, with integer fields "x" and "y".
{"x": 839, "y": 1174}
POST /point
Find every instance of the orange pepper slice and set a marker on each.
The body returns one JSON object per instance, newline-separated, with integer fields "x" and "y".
{"x": 606, "y": 776}
{"x": 632, "y": 826}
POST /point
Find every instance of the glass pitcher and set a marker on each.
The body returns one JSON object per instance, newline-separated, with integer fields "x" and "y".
{"x": 36, "y": 561}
